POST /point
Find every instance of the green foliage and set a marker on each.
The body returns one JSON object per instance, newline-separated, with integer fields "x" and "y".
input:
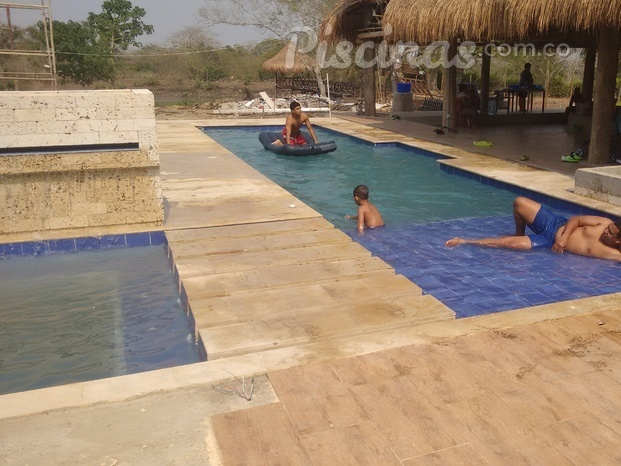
{"x": 558, "y": 87}
{"x": 79, "y": 55}
{"x": 119, "y": 24}
{"x": 85, "y": 51}
{"x": 209, "y": 72}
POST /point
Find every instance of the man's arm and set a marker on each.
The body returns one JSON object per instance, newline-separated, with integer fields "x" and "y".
{"x": 288, "y": 127}
{"x": 573, "y": 224}
{"x": 311, "y": 130}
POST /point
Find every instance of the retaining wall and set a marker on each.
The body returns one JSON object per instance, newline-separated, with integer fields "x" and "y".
{"x": 78, "y": 159}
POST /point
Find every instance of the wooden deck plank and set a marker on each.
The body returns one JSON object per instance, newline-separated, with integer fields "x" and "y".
{"x": 411, "y": 426}
{"x": 366, "y": 368}
{"x": 315, "y": 399}
{"x": 585, "y": 440}
{"x": 258, "y": 436}
{"x": 356, "y": 445}
{"x": 460, "y": 455}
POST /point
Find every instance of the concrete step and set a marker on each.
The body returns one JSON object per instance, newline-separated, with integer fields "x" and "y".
{"x": 205, "y": 264}
{"x": 285, "y": 275}
{"x": 202, "y": 248}
{"x": 258, "y": 304}
{"x": 326, "y": 323}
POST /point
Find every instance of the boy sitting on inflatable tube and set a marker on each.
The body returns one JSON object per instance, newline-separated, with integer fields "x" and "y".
{"x": 291, "y": 133}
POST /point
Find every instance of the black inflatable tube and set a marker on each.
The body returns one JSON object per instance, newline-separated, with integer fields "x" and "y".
{"x": 310, "y": 148}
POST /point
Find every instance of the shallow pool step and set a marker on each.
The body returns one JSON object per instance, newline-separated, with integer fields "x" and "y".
{"x": 237, "y": 262}
{"x": 223, "y": 284}
{"x": 325, "y": 323}
{"x": 206, "y": 247}
{"x": 251, "y": 305}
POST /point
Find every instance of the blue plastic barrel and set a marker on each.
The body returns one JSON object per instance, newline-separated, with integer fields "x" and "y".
{"x": 404, "y": 87}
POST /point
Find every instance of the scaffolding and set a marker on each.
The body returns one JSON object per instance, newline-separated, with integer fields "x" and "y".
{"x": 50, "y": 67}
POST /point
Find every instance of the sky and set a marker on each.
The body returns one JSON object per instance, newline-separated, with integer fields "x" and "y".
{"x": 166, "y": 17}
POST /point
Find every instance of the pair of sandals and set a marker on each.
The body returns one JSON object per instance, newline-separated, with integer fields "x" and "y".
{"x": 575, "y": 157}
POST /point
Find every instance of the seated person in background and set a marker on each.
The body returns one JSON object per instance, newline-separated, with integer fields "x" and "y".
{"x": 587, "y": 235}
{"x": 526, "y": 82}
{"x": 576, "y": 98}
{"x": 368, "y": 215}
{"x": 291, "y": 133}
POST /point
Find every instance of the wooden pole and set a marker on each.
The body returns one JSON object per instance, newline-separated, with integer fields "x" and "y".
{"x": 369, "y": 82}
{"x": 453, "y": 85}
{"x": 485, "y": 73}
{"x": 588, "y": 78}
{"x": 449, "y": 87}
{"x": 604, "y": 103}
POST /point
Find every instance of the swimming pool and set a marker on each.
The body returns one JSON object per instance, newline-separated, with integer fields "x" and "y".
{"x": 425, "y": 203}
{"x": 73, "y": 317}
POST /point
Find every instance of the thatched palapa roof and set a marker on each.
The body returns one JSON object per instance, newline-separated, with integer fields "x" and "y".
{"x": 571, "y": 21}
{"x": 289, "y": 61}
{"x": 346, "y": 19}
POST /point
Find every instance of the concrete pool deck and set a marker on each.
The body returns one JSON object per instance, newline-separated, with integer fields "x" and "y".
{"x": 352, "y": 363}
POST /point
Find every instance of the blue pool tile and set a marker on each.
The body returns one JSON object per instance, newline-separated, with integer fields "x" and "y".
{"x": 35, "y": 248}
{"x": 113, "y": 241}
{"x": 62, "y": 245}
{"x": 472, "y": 280}
{"x": 10, "y": 249}
{"x": 158, "y": 237}
{"x": 138, "y": 239}
{"x": 91, "y": 243}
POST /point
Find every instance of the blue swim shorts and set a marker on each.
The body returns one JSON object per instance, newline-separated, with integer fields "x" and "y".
{"x": 545, "y": 226}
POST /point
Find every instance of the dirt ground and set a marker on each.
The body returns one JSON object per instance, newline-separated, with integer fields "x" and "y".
{"x": 160, "y": 429}
{"x": 197, "y": 111}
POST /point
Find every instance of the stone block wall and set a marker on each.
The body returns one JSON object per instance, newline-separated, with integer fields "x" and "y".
{"x": 601, "y": 183}
{"x": 78, "y": 159}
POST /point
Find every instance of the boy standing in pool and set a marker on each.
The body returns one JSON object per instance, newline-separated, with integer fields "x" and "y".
{"x": 368, "y": 215}
{"x": 291, "y": 133}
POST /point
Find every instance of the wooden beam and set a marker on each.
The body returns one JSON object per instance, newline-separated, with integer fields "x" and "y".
{"x": 604, "y": 103}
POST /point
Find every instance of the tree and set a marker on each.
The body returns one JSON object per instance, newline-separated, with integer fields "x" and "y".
{"x": 78, "y": 54}
{"x": 280, "y": 17}
{"x": 85, "y": 50}
{"x": 192, "y": 39}
{"x": 119, "y": 24}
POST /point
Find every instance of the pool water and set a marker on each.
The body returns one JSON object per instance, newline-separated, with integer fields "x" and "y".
{"x": 88, "y": 315}
{"x": 406, "y": 187}
{"x": 423, "y": 206}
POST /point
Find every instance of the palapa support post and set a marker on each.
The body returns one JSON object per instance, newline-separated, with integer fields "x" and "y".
{"x": 449, "y": 86}
{"x": 604, "y": 102}
{"x": 369, "y": 81}
{"x": 588, "y": 77}
{"x": 485, "y": 72}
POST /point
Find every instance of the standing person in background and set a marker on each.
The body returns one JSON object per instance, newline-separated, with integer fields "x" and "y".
{"x": 526, "y": 82}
